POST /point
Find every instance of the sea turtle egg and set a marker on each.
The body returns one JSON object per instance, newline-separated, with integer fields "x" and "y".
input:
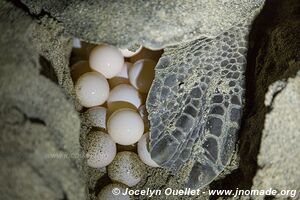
{"x": 126, "y": 168}
{"x": 125, "y": 126}
{"x": 92, "y": 89}
{"x": 107, "y": 60}
{"x": 101, "y": 149}
{"x": 109, "y": 192}
{"x": 143, "y": 151}
{"x": 96, "y": 116}
{"x": 124, "y": 94}
{"x": 122, "y": 77}
{"x": 141, "y": 74}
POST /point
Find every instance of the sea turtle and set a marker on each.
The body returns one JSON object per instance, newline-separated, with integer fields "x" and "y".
{"x": 195, "y": 103}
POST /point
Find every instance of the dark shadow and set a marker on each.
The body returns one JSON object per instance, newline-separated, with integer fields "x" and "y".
{"x": 47, "y": 70}
{"x": 101, "y": 183}
{"x": 269, "y": 197}
{"x": 36, "y": 120}
{"x": 65, "y": 197}
{"x": 263, "y": 69}
{"x": 254, "y": 96}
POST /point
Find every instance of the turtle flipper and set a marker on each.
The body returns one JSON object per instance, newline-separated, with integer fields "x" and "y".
{"x": 195, "y": 104}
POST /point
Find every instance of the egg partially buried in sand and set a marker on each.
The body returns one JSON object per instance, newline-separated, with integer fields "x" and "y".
{"x": 126, "y": 168}
{"x": 113, "y": 191}
{"x": 101, "y": 149}
{"x": 96, "y": 116}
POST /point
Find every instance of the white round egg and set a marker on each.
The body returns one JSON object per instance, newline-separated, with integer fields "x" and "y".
{"x": 122, "y": 77}
{"x": 113, "y": 191}
{"x": 141, "y": 74}
{"x": 143, "y": 151}
{"x": 125, "y": 126}
{"x": 127, "y": 53}
{"x": 107, "y": 60}
{"x": 96, "y": 116}
{"x": 126, "y": 168}
{"x": 124, "y": 93}
{"x": 79, "y": 68}
{"x": 101, "y": 149}
{"x": 92, "y": 89}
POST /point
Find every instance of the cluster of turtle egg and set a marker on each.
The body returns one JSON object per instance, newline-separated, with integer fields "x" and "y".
{"x": 112, "y": 85}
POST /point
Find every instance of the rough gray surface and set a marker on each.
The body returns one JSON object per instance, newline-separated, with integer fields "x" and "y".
{"x": 55, "y": 47}
{"x": 154, "y": 24}
{"x": 37, "y": 121}
{"x": 199, "y": 92}
{"x": 280, "y": 142}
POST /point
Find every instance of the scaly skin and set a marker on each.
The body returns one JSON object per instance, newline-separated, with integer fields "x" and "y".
{"x": 195, "y": 104}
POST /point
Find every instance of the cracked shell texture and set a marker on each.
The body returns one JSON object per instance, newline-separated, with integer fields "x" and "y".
{"x": 154, "y": 23}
